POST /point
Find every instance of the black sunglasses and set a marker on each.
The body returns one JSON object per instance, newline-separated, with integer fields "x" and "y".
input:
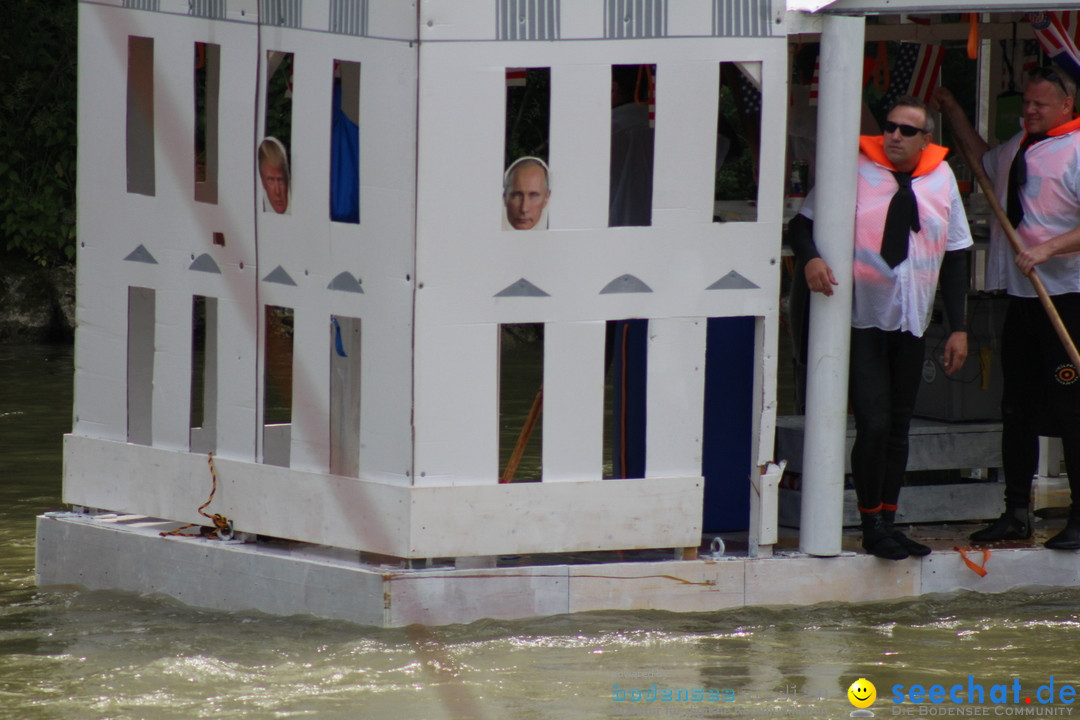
{"x": 1050, "y": 75}
{"x": 889, "y": 127}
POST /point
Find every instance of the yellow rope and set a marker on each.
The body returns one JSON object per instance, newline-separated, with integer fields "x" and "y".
{"x": 222, "y": 529}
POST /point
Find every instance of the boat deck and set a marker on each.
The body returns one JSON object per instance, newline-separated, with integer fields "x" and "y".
{"x": 284, "y": 578}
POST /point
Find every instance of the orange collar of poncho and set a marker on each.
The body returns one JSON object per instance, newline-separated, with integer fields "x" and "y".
{"x": 873, "y": 147}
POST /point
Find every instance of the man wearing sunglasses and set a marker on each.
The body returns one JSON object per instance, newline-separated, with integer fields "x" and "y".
{"x": 910, "y": 228}
{"x": 1036, "y": 176}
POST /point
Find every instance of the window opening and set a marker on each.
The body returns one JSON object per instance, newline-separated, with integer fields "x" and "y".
{"x": 624, "y": 398}
{"x": 521, "y": 379}
{"x": 526, "y": 187}
{"x": 345, "y": 143}
{"x": 633, "y": 113}
{"x": 140, "y": 364}
{"x": 345, "y": 359}
{"x": 277, "y": 385}
{"x": 738, "y": 143}
{"x": 140, "y": 116}
{"x": 207, "y": 84}
{"x": 204, "y": 366}
{"x": 275, "y": 149}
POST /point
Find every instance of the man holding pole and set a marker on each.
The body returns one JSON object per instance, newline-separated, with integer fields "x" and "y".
{"x": 1036, "y": 184}
{"x": 910, "y": 228}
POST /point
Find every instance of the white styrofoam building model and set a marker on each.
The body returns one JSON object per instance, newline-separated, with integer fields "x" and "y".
{"x": 389, "y": 455}
{"x": 392, "y": 446}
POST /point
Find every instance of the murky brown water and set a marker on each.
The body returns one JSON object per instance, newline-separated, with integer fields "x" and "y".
{"x": 72, "y": 654}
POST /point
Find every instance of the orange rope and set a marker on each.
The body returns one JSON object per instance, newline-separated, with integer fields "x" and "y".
{"x": 222, "y": 528}
{"x": 979, "y": 570}
{"x": 523, "y": 438}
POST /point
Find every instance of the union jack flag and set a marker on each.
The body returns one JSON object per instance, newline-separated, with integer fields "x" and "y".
{"x": 1057, "y": 33}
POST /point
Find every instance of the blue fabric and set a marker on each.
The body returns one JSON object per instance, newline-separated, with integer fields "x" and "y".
{"x": 338, "y": 344}
{"x": 344, "y": 164}
{"x": 727, "y": 458}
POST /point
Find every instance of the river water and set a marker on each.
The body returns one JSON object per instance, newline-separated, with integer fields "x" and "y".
{"x": 72, "y": 654}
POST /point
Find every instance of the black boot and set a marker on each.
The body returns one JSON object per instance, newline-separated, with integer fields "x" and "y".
{"x": 1012, "y": 525}
{"x": 877, "y": 539}
{"x": 914, "y": 548}
{"x": 1067, "y": 539}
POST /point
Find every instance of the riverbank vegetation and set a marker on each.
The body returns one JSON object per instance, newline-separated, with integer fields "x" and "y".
{"x": 38, "y": 57}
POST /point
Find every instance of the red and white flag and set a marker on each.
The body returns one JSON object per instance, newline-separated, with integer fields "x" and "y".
{"x": 1057, "y": 33}
{"x": 515, "y": 77}
{"x": 924, "y": 74}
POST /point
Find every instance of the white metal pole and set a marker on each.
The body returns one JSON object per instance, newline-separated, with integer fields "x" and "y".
{"x": 839, "y": 110}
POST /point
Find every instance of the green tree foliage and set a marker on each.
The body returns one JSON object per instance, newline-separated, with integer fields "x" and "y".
{"x": 735, "y": 180}
{"x": 279, "y": 105}
{"x": 528, "y": 111}
{"x": 38, "y": 40}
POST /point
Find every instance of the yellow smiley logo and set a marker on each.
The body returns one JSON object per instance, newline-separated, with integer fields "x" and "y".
{"x": 862, "y": 693}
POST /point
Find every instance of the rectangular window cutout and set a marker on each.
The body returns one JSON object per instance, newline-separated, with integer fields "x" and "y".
{"x": 277, "y": 385}
{"x": 624, "y": 398}
{"x": 140, "y": 364}
{"x": 521, "y": 379}
{"x": 525, "y": 148}
{"x": 345, "y": 143}
{"x": 207, "y": 85}
{"x": 345, "y": 361}
{"x": 633, "y": 113}
{"x": 204, "y": 378}
{"x": 276, "y": 148}
{"x": 738, "y": 143}
{"x": 140, "y": 116}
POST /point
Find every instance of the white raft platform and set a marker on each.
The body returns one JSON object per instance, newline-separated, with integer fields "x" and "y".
{"x": 127, "y": 552}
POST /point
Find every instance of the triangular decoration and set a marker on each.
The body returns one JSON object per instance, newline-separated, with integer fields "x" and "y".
{"x": 141, "y": 254}
{"x": 346, "y": 283}
{"x": 625, "y": 284}
{"x": 205, "y": 263}
{"x": 522, "y": 288}
{"x": 278, "y": 275}
{"x": 733, "y": 281}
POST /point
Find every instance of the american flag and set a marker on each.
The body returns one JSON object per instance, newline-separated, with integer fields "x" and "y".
{"x": 814, "y": 82}
{"x": 749, "y": 94}
{"x": 1057, "y": 34}
{"x": 915, "y": 72}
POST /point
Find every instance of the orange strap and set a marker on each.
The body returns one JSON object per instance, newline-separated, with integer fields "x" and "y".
{"x": 973, "y": 36}
{"x": 979, "y": 570}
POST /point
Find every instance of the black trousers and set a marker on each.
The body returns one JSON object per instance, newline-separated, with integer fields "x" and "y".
{"x": 1041, "y": 393}
{"x": 886, "y": 369}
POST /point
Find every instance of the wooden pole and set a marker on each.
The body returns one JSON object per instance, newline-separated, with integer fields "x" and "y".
{"x": 1018, "y": 247}
{"x": 523, "y": 438}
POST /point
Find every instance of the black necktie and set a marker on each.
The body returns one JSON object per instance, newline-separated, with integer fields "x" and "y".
{"x": 902, "y": 218}
{"x": 1017, "y": 180}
